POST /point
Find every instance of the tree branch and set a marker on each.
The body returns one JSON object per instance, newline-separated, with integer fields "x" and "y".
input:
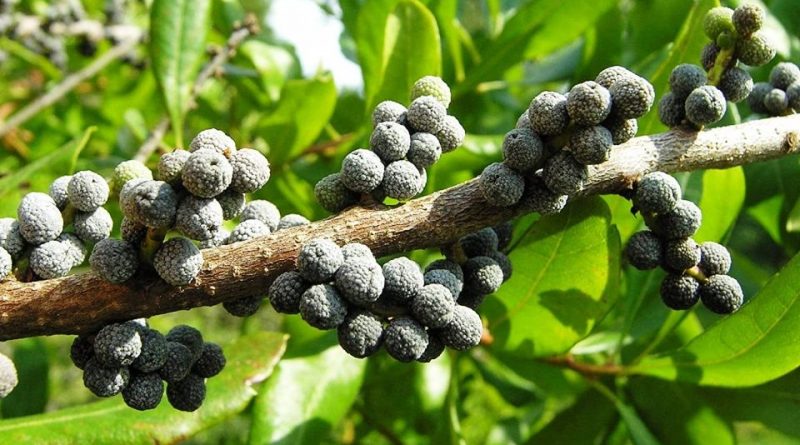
{"x": 83, "y": 303}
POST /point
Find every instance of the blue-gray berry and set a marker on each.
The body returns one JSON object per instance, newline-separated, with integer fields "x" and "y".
{"x": 187, "y": 394}
{"x": 401, "y": 180}
{"x": 58, "y": 191}
{"x": 538, "y": 198}
{"x": 352, "y": 251}
{"x": 756, "y": 98}
{"x": 679, "y": 292}
{"x": 360, "y": 281}
{"x": 705, "y": 105}
{"x": 170, "y": 166}
{"x": 405, "y": 339}
{"x": 685, "y": 78}
{"x": 286, "y": 291}
{"x": 93, "y": 226}
{"x": 591, "y": 145}
{"x": 563, "y": 174}
{"x": 548, "y": 113}
{"x": 76, "y": 250}
{"x": 426, "y": 114}
{"x": 721, "y": 294}
{"x": 681, "y": 222}
{"x": 50, "y": 260}
{"x": 219, "y": 238}
{"x": 501, "y": 185}
{"x": 178, "y": 261}
{"x": 263, "y": 211}
{"x": 588, "y": 103}
{"x": 657, "y": 193}
{"x": 448, "y": 265}
{"x": 390, "y": 141}
{"x": 631, "y": 97}
{"x": 480, "y": 243}
{"x": 292, "y": 220}
{"x": 387, "y": 111}
{"x": 433, "y": 306}
{"x": 132, "y": 231}
{"x": 189, "y": 337}
{"x": 144, "y": 391}
{"x": 482, "y": 275}
{"x": 319, "y": 259}
{"x": 243, "y": 307}
{"x": 199, "y": 218}
{"x": 332, "y": 194}
{"x": 362, "y": 171}
{"x": 232, "y": 203}
{"x": 445, "y": 278}
{"x": 5, "y": 264}
{"x": 714, "y": 259}
{"x": 215, "y": 140}
{"x": 87, "y": 191}
{"x": 672, "y": 110}
{"x": 250, "y": 170}
{"x": 609, "y": 76}
{"x": 246, "y": 230}
{"x": 39, "y": 219}
{"x": 117, "y": 345}
{"x": 775, "y": 102}
{"x": 207, "y": 173}
{"x": 464, "y": 330}
{"x": 425, "y": 150}
{"x": 735, "y": 84}
{"x": 154, "y": 351}
{"x": 178, "y": 363}
{"x": 504, "y": 232}
{"x": 104, "y": 382}
{"x": 114, "y": 260}
{"x": 10, "y": 237}
{"x": 211, "y": 362}
{"x": 681, "y": 254}
{"x": 504, "y": 262}
{"x": 403, "y": 279}
{"x": 361, "y": 333}
{"x": 522, "y": 149}
{"x": 622, "y": 130}
{"x": 322, "y": 307}
{"x": 451, "y": 134}
{"x": 644, "y": 250}
{"x": 434, "y": 350}
{"x": 81, "y": 350}
{"x": 151, "y": 203}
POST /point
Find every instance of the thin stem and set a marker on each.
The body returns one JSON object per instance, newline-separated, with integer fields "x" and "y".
{"x": 586, "y": 369}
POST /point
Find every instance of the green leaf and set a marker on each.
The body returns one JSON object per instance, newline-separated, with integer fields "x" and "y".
{"x": 31, "y": 394}
{"x": 306, "y": 398}
{"x": 571, "y": 269}
{"x": 305, "y": 107}
{"x": 177, "y": 44}
{"x": 755, "y": 345}
{"x": 586, "y": 421}
{"x": 723, "y": 198}
{"x": 251, "y": 359}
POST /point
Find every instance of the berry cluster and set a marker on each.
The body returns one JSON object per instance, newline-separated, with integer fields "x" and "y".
{"x": 413, "y": 315}
{"x": 694, "y": 272}
{"x": 132, "y": 359}
{"x": 563, "y": 134}
{"x": 196, "y": 192}
{"x": 781, "y": 95}
{"x": 699, "y": 95}
{"x": 404, "y": 142}
{"x": 52, "y": 231}
{"x": 8, "y": 376}
{"x": 50, "y": 31}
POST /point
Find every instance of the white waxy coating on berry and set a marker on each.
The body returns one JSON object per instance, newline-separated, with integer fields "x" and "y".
{"x": 705, "y": 105}
{"x": 170, "y": 165}
{"x": 50, "y": 260}
{"x": 564, "y": 175}
{"x": 104, "y": 382}
{"x": 432, "y": 86}
{"x": 500, "y": 185}
{"x": 292, "y": 220}
{"x": 58, "y": 191}
{"x": 8, "y": 376}
{"x": 352, "y": 251}
{"x": 405, "y": 339}
{"x": 362, "y": 171}
{"x": 219, "y": 238}
{"x": 426, "y": 114}
{"x": 286, "y": 291}
{"x": 213, "y": 139}
{"x": 232, "y": 203}
{"x": 207, "y": 173}
{"x": 250, "y": 170}
{"x": 522, "y": 149}
{"x": 248, "y": 229}
{"x": 117, "y": 344}
{"x": 464, "y": 330}
{"x": 5, "y": 264}
{"x": 198, "y": 218}
{"x": 425, "y": 150}
{"x": 178, "y": 261}
{"x": 264, "y": 211}
{"x": 114, "y": 260}
{"x": 403, "y": 279}
{"x": 93, "y": 226}
{"x": 360, "y": 281}
{"x": 588, "y": 103}
{"x": 390, "y": 141}
{"x": 332, "y": 194}
{"x": 548, "y": 113}
{"x": 76, "y": 250}
{"x": 319, "y": 259}
{"x": 451, "y": 134}
{"x": 387, "y": 111}
{"x": 150, "y": 203}
{"x": 401, "y": 180}
{"x": 322, "y": 307}
{"x": 433, "y": 306}
{"x": 39, "y": 218}
{"x": 87, "y": 191}
{"x": 10, "y": 237}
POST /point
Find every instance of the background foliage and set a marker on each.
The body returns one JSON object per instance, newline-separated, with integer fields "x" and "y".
{"x": 667, "y": 377}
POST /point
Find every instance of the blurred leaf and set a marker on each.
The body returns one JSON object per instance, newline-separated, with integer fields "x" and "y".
{"x": 306, "y": 398}
{"x": 723, "y": 197}
{"x": 274, "y": 65}
{"x": 301, "y": 114}
{"x": 447, "y": 18}
{"x": 33, "y": 367}
{"x": 587, "y": 421}
{"x": 753, "y": 346}
{"x": 177, "y": 45}
{"x": 251, "y": 359}
{"x": 571, "y": 264}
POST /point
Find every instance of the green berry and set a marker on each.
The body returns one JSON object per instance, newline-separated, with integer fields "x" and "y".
{"x": 792, "y": 95}
{"x": 127, "y": 170}
{"x": 755, "y": 50}
{"x": 717, "y": 20}
{"x": 432, "y": 86}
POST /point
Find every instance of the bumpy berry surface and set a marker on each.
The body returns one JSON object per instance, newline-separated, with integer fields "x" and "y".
{"x": 153, "y": 353}
{"x": 87, "y": 191}
{"x": 151, "y": 203}
{"x": 480, "y": 243}
{"x": 215, "y": 140}
{"x": 705, "y": 105}
{"x": 292, "y": 220}
{"x": 170, "y": 166}
{"x": 448, "y": 265}
{"x": 8, "y": 376}
{"x": 319, "y": 259}
{"x": 538, "y": 198}
{"x": 755, "y": 51}
{"x": 94, "y": 226}
{"x": 588, "y": 103}
{"x": 405, "y": 339}
{"x": 127, "y": 170}
{"x": 243, "y": 307}
{"x": 322, "y": 307}
{"x": 187, "y": 394}
{"x": 144, "y": 391}
{"x": 332, "y": 194}
{"x": 390, "y": 141}
{"x": 679, "y": 292}
{"x": 178, "y": 261}
{"x": 76, "y": 250}
{"x": 433, "y": 306}
{"x": 500, "y": 185}
{"x": 81, "y": 350}
{"x": 722, "y": 294}
{"x": 207, "y": 173}
{"x": 219, "y": 238}
{"x": 198, "y": 218}
{"x": 401, "y": 180}
{"x": 793, "y": 96}
{"x": 482, "y": 275}
{"x": 632, "y": 97}
{"x": 709, "y": 56}
{"x": 591, "y": 145}
{"x": 776, "y": 102}
{"x": 211, "y": 361}
{"x": 680, "y": 255}
{"x": 362, "y": 171}
{"x": 360, "y": 281}
{"x": 522, "y": 149}
{"x": 622, "y": 130}
{"x": 657, "y": 193}
{"x": 246, "y": 230}
{"x": 351, "y": 251}
{"x": 6, "y": 263}
{"x": 189, "y": 337}
{"x": 548, "y": 113}
{"x": 403, "y": 279}
{"x": 609, "y": 76}
{"x": 504, "y": 262}
{"x": 671, "y": 110}
{"x": 444, "y": 278}
{"x": 644, "y": 250}
{"x": 714, "y": 259}
{"x": 117, "y": 345}
{"x": 250, "y": 170}
{"x": 426, "y": 114}
{"x": 361, "y": 333}
{"x": 735, "y": 84}
{"x": 434, "y": 350}
{"x": 685, "y": 78}
{"x": 464, "y": 330}
{"x": 504, "y": 232}
{"x": 263, "y": 211}
{"x": 104, "y": 382}
{"x": 50, "y": 260}
{"x": 747, "y": 19}
{"x": 232, "y": 203}
{"x": 58, "y": 191}
{"x": 425, "y": 150}
{"x": 681, "y": 222}
{"x": 10, "y": 237}
{"x": 563, "y": 174}
{"x": 756, "y": 98}
{"x": 432, "y": 86}
{"x": 451, "y": 134}
{"x": 114, "y": 260}
{"x": 39, "y": 219}
{"x": 178, "y": 363}
{"x": 387, "y": 111}
{"x": 286, "y": 291}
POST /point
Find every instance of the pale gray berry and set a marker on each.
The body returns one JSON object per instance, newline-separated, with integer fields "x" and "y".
{"x": 387, "y": 111}
{"x": 170, "y": 166}
{"x": 425, "y": 150}
{"x": 403, "y": 279}
{"x": 10, "y": 237}
{"x": 622, "y": 130}
{"x": 523, "y": 121}
{"x": 405, "y": 339}
{"x": 332, "y": 194}
{"x": 131, "y": 231}
{"x": 538, "y": 198}
{"x": 322, "y": 307}
{"x": 632, "y": 97}
{"x": 426, "y": 114}
{"x": 522, "y": 150}
{"x": 87, "y": 191}
{"x": 360, "y": 281}
{"x": 151, "y": 203}
{"x": 500, "y": 185}
{"x": 199, "y": 218}
{"x": 117, "y": 344}
{"x": 58, "y": 191}
{"x": 390, "y": 141}
{"x": 178, "y": 261}
{"x": 705, "y": 105}
{"x": 232, "y": 203}
{"x": 756, "y": 98}
{"x": 114, "y": 260}
{"x": 246, "y": 230}
{"x": 207, "y": 173}
{"x": 50, "y": 260}
{"x": 319, "y": 259}
{"x": 776, "y": 102}
{"x": 39, "y": 219}
{"x": 362, "y": 171}
{"x": 76, "y": 250}
{"x": 548, "y": 113}
{"x": 215, "y": 140}
{"x": 250, "y": 170}
{"x": 264, "y": 211}
{"x": 93, "y": 226}
{"x": 219, "y": 238}
{"x": 735, "y": 84}
{"x": 8, "y": 376}
{"x": 353, "y": 251}
{"x": 292, "y": 220}
{"x": 433, "y": 306}
{"x": 451, "y": 134}
{"x": 5, "y": 264}
{"x": 464, "y": 330}
{"x": 609, "y": 76}
{"x": 445, "y": 278}
{"x": 401, "y": 180}
{"x": 482, "y": 275}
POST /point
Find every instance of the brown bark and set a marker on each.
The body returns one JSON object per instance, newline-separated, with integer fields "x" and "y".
{"x": 82, "y": 303}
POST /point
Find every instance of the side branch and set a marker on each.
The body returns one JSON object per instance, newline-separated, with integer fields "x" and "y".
{"x": 82, "y": 303}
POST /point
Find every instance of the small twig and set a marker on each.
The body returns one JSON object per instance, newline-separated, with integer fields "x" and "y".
{"x": 69, "y": 83}
{"x": 236, "y": 38}
{"x": 322, "y": 147}
{"x": 587, "y": 369}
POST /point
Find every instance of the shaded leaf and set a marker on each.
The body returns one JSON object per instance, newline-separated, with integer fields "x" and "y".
{"x": 723, "y": 197}
{"x": 33, "y": 366}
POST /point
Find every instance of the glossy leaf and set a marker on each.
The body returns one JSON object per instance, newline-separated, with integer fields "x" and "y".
{"x": 567, "y": 276}
{"x": 723, "y": 197}
{"x": 178, "y": 31}
{"x": 251, "y": 360}
{"x": 306, "y": 398}
{"x": 755, "y": 345}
